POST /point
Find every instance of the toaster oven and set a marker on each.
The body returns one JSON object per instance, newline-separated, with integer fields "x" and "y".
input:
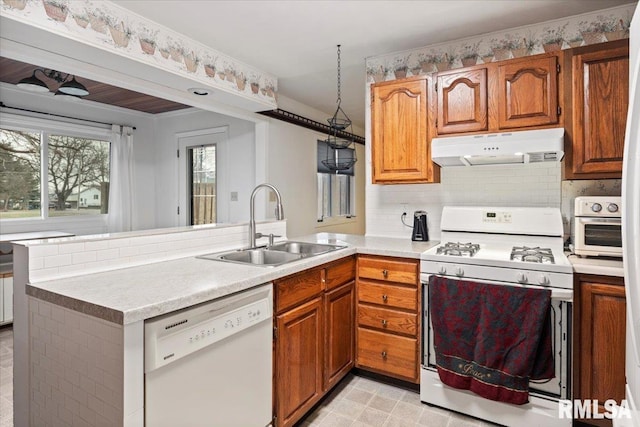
{"x": 598, "y": 226}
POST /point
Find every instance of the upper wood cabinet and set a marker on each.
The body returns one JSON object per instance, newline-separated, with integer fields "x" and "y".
{"x": 462, "y": 101}
{"x": 515, "y": 94}
{"x": 599, "y": 97}
{"x": 528, "y": 93}
{"x": 399, "y": 127}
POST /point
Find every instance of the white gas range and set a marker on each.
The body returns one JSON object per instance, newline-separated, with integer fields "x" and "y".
{"x": 504, "y": 247}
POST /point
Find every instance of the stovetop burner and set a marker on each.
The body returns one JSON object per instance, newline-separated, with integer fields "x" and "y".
{"x": 537, "y": 255}
{"x": 458, "y": 249}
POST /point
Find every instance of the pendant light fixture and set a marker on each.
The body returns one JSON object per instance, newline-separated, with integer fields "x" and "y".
{"x": 341, "y": 155}
{"x": 68, "y": 87}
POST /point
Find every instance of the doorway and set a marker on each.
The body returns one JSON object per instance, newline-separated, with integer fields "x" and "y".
{"x": 202, "y": 177}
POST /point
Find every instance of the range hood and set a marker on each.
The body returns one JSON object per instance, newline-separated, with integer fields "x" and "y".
{"x": 530, "y": 146}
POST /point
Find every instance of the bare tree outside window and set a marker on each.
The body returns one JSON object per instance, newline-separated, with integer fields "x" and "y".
{"x": 77, "y": 178}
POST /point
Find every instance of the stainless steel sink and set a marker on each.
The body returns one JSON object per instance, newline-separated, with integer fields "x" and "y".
{"x": 304, "y": 248}
{"x": 275, "y": 255}
{"x": 260, "y": 256}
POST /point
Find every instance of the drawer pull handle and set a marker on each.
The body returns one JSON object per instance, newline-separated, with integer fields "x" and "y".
{"x": 384, "y": 298}
{"x": 385, "y": 273}
{"x": 384, "y": 354}
{"x": 384, "y": 322}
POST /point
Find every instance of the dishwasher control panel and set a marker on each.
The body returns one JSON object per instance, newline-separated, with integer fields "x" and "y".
{"x": 176, "y": 336}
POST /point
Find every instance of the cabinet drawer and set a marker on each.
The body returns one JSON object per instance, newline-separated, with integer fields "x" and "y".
{"x": 388, "y": 295}
{"x": 389, "y": 270}
{"x": 388, "y": 320}
{"x": 297, "y": 288}
{"x": 340, "y": 272}
{"x": 388, "y": 353}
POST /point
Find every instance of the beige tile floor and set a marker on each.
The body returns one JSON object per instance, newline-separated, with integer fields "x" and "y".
{"x": 359, "y": 401}
{"x": 6, "y": 377}
{"x": 356, "y": 402}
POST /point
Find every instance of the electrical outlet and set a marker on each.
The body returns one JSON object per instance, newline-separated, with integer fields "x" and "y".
{"x": 234, "y": 196}
{"x": 272, "y": 196}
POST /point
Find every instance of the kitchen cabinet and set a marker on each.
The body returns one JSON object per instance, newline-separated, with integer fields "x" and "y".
{"x": 6, "y": 298}
{"x": 314, "y": 336}
{"x": 515, "y": 94}
{"x": 599, "y": 98}
{"x": 528, "y": 92}
{"x": 388, "y": 321}
{"x": 400, "y": 149}
{"x": 462, "y": 101}
{"x": 599, "y": 341}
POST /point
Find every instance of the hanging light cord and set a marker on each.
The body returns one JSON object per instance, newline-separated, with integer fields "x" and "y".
{"x": 339, "y": 98}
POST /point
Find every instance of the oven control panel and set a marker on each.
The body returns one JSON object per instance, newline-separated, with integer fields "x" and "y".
{"x": 495, "y": 217}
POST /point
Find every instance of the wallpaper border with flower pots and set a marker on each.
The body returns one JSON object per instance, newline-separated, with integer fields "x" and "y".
{"x": 111, "y": 27}
{"x": 580, "y": 30}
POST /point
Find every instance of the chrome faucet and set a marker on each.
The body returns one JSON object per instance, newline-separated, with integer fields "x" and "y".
{"x": 252, "y": 220}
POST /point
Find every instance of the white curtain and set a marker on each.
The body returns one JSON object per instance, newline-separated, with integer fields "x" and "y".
{"x": 121, "y": 186}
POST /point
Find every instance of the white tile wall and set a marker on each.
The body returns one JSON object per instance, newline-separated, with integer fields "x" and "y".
{"x": 76, "y": 368}
{"x": 536, "y": 185}
{"x": 81, "y": 255}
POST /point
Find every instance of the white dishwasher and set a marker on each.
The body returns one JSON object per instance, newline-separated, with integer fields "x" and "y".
{"x": 211, "y": 365}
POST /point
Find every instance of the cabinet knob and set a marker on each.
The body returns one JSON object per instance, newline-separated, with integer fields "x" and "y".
{"x": 384, "y": 322}
{"x": 385, "y": 273}
{"x": 384, "y": 298}
{"x": 384, "y": 354}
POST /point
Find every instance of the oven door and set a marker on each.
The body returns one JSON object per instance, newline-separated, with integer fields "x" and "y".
{"x": 598, "y": 236}
{"x": 561, "y": 304}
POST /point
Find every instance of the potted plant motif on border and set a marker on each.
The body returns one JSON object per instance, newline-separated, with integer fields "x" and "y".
{"x": 553, "y": 38}
{"x": 56, "y": 9}
{"x": 469, "y": 55}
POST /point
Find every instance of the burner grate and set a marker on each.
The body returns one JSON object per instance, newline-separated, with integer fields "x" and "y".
{"x": 537, "y": 255}
{"x": 458, "y": 249}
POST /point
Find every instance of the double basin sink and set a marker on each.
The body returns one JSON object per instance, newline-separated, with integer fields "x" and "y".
{"x": 275, "y": 255}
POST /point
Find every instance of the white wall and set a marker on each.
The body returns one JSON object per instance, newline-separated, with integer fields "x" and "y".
{"x": 143, "y": 151}
{"x": 292, "y": 167}
{"x": 240, "y": 161}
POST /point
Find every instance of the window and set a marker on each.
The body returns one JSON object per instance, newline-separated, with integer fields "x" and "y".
{"x": 202, "y": 191}
{"x": 336, "y": 189}
{"x": 49, "y": 173}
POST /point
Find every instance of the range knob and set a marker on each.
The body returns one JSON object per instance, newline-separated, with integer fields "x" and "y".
{"x": 544, "y": 280}
{"x": 596, "y": 207}
{"x": 522, "y": 278}
{"x": 612, "y": 207}
{"x": 459, "y": 272}
{"x": 442, "y": 270}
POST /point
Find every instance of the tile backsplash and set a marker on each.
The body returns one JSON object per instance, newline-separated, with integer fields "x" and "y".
{"x": 536, "y": 184}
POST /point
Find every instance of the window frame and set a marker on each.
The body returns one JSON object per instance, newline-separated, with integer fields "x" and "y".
{"x": 46, "y": 127}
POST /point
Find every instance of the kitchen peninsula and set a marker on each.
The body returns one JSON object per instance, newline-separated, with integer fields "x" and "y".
{"x": 84, "y": 315}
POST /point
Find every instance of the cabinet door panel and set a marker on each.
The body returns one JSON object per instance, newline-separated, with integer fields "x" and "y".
{"x": 602, "y": 342}
{"x": 600, "y": 101}
{"x": 339, "y": 332}
{"x": 299, "y": 360}
{"x": 528, "y": 93}
{"x": 462, "y": 101}
{"x": 399, "y": 132}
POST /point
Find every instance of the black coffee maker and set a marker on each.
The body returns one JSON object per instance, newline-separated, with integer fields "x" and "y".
{"x": 420, "y": 230}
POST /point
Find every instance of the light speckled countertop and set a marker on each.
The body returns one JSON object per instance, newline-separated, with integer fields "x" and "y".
{"x": 132, "y": 294}
{"x": 599, "y": 266}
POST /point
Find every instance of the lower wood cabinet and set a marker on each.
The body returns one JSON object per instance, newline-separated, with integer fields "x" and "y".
{"x": 314, "y": 336}
{"x": 599, "y": 340}
{"x": 388, "y": 333}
